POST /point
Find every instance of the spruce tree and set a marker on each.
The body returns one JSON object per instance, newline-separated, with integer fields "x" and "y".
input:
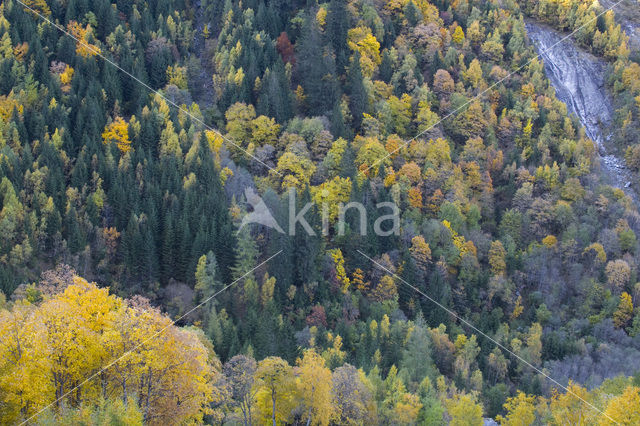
{"x": 316, "y": 70}
{"x": 337, "y": 29}
{"x": 385, "y": 71}
{"x": 412, "y": 13}
{"x": 357, "y": 92}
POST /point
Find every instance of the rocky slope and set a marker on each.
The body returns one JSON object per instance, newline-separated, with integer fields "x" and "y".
{"x": 579, "y": 80}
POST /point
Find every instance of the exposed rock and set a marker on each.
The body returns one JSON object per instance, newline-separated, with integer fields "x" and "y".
{"x": 577, "y": 76}
{"x": 579, "y": 80}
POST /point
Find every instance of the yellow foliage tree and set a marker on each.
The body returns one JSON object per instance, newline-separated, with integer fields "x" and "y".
{"x": 215, "y": 141}
{"x": 362, "y": 40}
{"x": 117, "y": 131}
{"x": 8, "y": 104}
{"x": 624, "y": 313}
{"x": 293, "y": 171}
{"x": 334, "y": 355}
{"x": 314, "y": 389}
{"x": 601, "y": 255}
{"x": 25, "y": 389}
{"x": 48, "y": 350}
{"x": 275, "y": 390}
{"x": 385, "y": 290}
{"x": 458, "y": 240}
{"x": 239, "y": 122}
{"x": 268, "y": 286}
{"x": 550, "y": 241}
{"x": 341, "y": 274}
{"x": 518, "y": 308}
{"x": 420, "y": 252}
{"x": 38, "y": 5}
{"x": 358, "y": 281}
{"x": 264, "y": 130}
{"x": 569, "y": 407}
{"x": 82, "y": 35}
{"x": 332, "y": 193}
{"x": 404, "y": 407}
{"x": 623, "y": 409}
{"x": 497, "y": 255}
{"x": 415, "y": 197}
{"x": 474, "y": 73}
{"x": 520, "y": 410}
{"x": 458, "y": 35}
{"x": 177, "y": 76}
{"x": 67, "y": 75}
{"x": 371, "y": 156}
{"x": 464, "y": 410}
{"x": 321, "y": 17}
{"x": 618, "y": 273}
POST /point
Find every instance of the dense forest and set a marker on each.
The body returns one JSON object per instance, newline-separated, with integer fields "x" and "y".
{"x": 132, "y": 132}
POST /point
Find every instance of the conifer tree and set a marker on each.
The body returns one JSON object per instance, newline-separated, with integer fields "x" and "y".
{"x": 316, "y": 70}
{"x": 357, "y": 92}
{"x": 337, "y": 29}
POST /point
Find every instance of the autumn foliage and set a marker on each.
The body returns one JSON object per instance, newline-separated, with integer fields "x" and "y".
{"x": 440, "y": 108}
{"x": 83, "y": 344}
{"x": 82, "y": 36}
{"x": 118, "y": 132}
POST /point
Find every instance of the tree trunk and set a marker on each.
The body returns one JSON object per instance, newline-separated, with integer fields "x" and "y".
{"x": 309, "y": 417}
{"x": 273, "y": 412}
{"x": 146, "y": 410}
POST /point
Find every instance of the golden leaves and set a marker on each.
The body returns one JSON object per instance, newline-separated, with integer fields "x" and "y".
{"x": 9, "y": 104}
{"x": 48, "y": 350}
{"x": 622, "y": 316}
{"x": 341, "y": 274}
{"x": 314, "y": 388}
{"x": 362, "y": 40}
{"x": 458, "y": 35}
{"x": 117, "y": 131}
{"x": 83, "y": 35}
{"x": 624, "y": 409}
{"x": 67, "y": 75}
{"x": 332, "y": 193}
{"x": 20, "y": 50}
{"x": 294, "y": 170}
{"x": 177, "y": 76}
{"x": 420, "y": 252}
{"x": 39, "y": 6}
